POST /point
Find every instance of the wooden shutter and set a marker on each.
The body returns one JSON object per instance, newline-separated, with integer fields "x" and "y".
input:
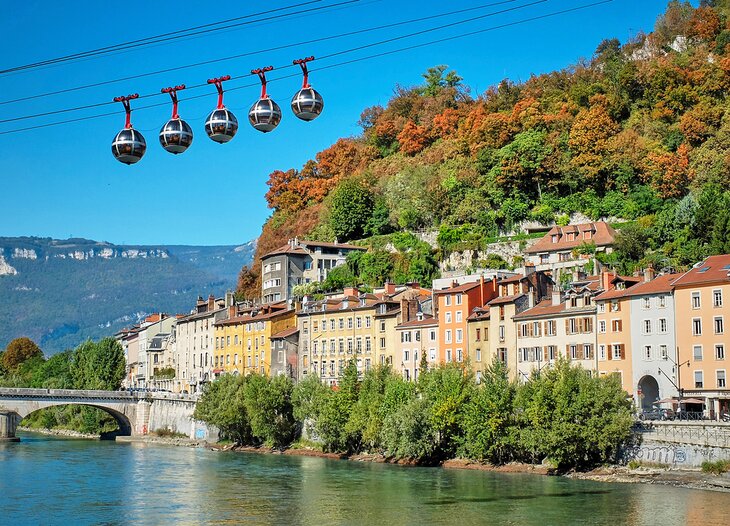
{"x": 609, "y": 352}
{"x": 567, "y": 352}
{"x": 623, "y": 351}
{"x": 567, "y": 326}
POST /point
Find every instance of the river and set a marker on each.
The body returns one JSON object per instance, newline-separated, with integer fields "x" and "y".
{"x": 48, "y": 480}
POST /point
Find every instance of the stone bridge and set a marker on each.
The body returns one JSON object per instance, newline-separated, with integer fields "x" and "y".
{"x": 137, "y": 413}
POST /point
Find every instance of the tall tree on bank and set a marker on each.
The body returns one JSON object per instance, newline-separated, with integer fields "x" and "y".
{"x": 98, "y": 365}
{"x": 19, "y": 351}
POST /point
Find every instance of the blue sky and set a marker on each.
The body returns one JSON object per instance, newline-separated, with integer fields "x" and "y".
{"x": 63, "y": 181}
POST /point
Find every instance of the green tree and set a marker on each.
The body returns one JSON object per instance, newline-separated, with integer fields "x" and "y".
{"x": 437, "y": 79}
{"x": 269, "y": 408}
{"x": 351, "y": 207}
{"x": 98, "y": 365}
{"x": 222, "y": 405}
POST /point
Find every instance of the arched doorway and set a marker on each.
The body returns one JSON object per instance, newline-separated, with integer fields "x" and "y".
{"x": 649, "y": 391}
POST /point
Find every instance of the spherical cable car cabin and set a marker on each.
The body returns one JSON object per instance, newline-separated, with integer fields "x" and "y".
{"x": 129, "y": 145}
{"x": 265, "y": 114}
{"x": 221, "y": 125}
{"x": 307, "y": 104}
{"x": 176, "y": 135}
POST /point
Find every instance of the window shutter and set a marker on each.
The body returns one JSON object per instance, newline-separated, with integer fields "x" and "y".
{"x": 546, "y": 354}
{"x": 567, "y": 326}
{"x": 567, "y": 352}
{"x": 609, "y": 352}
{"x": 623, "y": 351}
{"x": 581, "y": 355}
{"x": 580, "y": 325}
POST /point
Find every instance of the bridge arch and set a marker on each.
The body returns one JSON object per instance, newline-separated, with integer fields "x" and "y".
{"x": 122, "y": 420}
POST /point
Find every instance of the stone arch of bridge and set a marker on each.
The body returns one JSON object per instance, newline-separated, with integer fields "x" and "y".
{"x": 123, "y": 421}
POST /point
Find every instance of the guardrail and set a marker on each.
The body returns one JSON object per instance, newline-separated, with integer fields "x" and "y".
{"x": 701, "y": 433}
{"x": 131, "y": 396}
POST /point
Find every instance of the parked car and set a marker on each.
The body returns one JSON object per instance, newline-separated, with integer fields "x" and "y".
{"x": 658, "y": 414}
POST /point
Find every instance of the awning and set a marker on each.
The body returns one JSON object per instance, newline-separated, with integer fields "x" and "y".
{"x": 666, "y": 401}
{"x": 692, "y": 401}
{"x": 217, "y": 371}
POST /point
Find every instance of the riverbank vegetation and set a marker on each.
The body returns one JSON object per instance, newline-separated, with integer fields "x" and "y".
{"x": 92, "y": 365}
{"x": 563, "y": 415}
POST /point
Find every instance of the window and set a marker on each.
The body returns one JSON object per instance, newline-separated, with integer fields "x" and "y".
{"x": 432, "y": 335}
{"x": 478, "y": 353}
{"x": 332, "y": 324}
{"x": 663, "y": 352}
{"x": 501, "y": 333}
{"x": 368, "y": 346}
{"x": 647, "y": 352}
{"x": 405, "y": 336}
{"x": 615, "y": 306}
{"x": 447, "y": 337}
{"x": 349, "y": 346}
{"x": 523, "y": 354}
{"x": 717, "y": 298}
{"x": 573, "y": 352}
{"x": 663, "y": 325}
{"x": 459, "y": 299}
{"x": 228, "y": 341}
{"x": 341, "y": 345}
{"x": 616, "y": 325}
{"x": 696, "y": 326}
{"x": 382, "y": 343}
{"x": 280, "y": 356}
{"x": 417, "y": 334}
{"x": 601, "y": 307}
{"x": 447, "y": 300}
{"x": 341, "y": 323}
{"x": 479, "y": 377}
{"x": 588, "y": 351}
{"x": 458, "y": 316}
{"x": 698, "y": 380}
{"x": 448, "y": 355}
{"x": 602, "y": 326}
{"x": 459, "y": 336}
{"x": 447, "y": 317}
{"x": 405, "y": 355}
{"x": 647, "y": 303}
{"x": 367, "y": 322}
{"x": 647, "y": 326}
{"x": 719, "y": 326}
{"x": 382, "y": 325}
{"x": 601, "y": 352}
{"x": 478, "y": 335}
{"x": 697, "y": 353}
{"x": 719, "y": 351}
{"x": 358, "y": 322}
{"x": 349, "y": 323}
{"x": 544, "y": 259}
{"x": 695, "y": 300}
{"x": 432, "y": 354}
{"x": 550, "y": 328}
{"x": 459, "y": 355}
{"x": 721, "y": 378}
{"x": 616, "y": 348}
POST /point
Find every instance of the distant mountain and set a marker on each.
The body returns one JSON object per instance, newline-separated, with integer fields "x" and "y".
{"x": 60, "y": 292}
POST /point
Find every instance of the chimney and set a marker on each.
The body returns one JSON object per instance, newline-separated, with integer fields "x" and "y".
{"x": 606, "y": 278}
{"x": 556, "y": 297}
{"x": 529, "y": 269}
{"x": 649, "y": 274}
{"x": 405, "y": 310}
{"x": 481, "y": 290}
{"x": 230, "y": 299}
{"x": 231, "y": 311}
{"x": 389, "y": 288}
{"x": 350, "y": 291}
{"x": 211, "y": 302}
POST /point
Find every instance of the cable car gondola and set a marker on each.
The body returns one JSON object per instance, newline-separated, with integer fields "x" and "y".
{"x": 265, "y": 114}
{"x": 221, "y": 125}
{"x": 306, "y": 104}
{"x": 176, "y": 135}
{"x": 129, "y": 145}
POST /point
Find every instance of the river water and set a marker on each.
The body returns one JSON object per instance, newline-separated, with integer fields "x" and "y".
{"x": 46, "y": 480}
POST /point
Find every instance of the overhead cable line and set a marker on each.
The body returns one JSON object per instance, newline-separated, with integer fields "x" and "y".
{"x": 340, "y": 64}
{"x": 183, "y": 33}
{"x": 338, "y": 53}
{"x": 250, "y": 53}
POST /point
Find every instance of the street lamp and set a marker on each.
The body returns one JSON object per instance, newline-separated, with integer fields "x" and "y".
{"x": 676, "y": 367}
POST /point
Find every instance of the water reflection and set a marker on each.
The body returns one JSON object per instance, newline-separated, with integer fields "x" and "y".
{"x": 69, "y": 482}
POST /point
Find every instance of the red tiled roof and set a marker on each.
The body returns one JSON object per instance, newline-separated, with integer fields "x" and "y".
{"x": 511, "y": 279}
{"x": 663, "y": 283}
{"x": 287, "y": 249}
{"x": 478, "y": 314}
{"x": 505, "y": 299}
{"x": 602, "y": 235}
{"x": 458, "y": 288}
{"x": 425, "y": 322}
{"x": 715, "y": 269}
{"x": 285, "y": 333}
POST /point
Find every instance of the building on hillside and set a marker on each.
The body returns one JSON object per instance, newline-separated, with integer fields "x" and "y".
{"x": 613, "y": 314}
{"x": 514, "y": 295}
{"x": 562, "y": 325}
{"x": 560, "y": 248}
{"x": 478, "y": 338}
{"x": 653, "y": 346}
{"x": 702, "y": 308}
{"x": 243, "y": 342}
{"x": 160, "y": 364}
{"x": 416, "y": 339}
{"x": 195, "y": 338}
{"x": 299, "y": 262}
{"x": 285, "y": 353}
{"x": 454, "y": 306}
{"x": 351, "y": 326}
{"x": 136, "y": 343}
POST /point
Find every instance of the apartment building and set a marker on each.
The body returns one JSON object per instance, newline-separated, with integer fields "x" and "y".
{"x": 415, "y": 339}
{"x": 455, "y": 305}
{"x": 514, "y": 295}
{"x": 653, "y": 346}
{"x": 285, "y": 353}
{"x": 243, "y": 343}
{"x": 559, "y": 248}
{"x": 702, "y": 307}
{"x": 613, "y": 309}
{"x": 478, "y": 337}
{"x": 299, "y": 262}
{"x": 563, "y": 325}
{"x": 195, "y": 337}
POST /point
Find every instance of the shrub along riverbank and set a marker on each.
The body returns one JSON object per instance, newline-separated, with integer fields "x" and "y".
{"x": 562, "y": 414}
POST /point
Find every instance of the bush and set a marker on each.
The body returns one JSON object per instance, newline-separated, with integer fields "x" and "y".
{"x": 716, "y": 468}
